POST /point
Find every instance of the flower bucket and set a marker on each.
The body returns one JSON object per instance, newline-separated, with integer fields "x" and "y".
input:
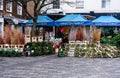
{"x": 56, "y": 50}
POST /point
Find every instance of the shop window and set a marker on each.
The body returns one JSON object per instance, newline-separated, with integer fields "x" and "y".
{"x": 8, "y": 21}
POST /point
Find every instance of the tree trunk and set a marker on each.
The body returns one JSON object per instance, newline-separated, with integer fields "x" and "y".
{"x": 33, "y": 31}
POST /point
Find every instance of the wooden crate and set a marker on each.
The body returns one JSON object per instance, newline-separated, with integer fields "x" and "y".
{"x": 1, "y": 46}
{"x": 6, "y": 46}
{"x": 34, "y": 39}
{"x": 27, "y": 38}
{"x": 40, "y": 38}
{"x": 70, "y": 53}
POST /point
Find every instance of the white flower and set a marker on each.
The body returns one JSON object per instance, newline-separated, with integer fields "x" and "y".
{"x": 27, "y": 46}
{"x": 32, "y": 51}
{"x": 16, "y": 49}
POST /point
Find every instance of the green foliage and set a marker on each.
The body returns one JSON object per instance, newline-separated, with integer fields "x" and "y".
{"x": 10, "y": 53}
{"x": 62, "y": 53}
{"x": 106, "y": 40}
{"x": 77, "y": 51}
{"x": 115, "y": 40}
{"x": 92, "y": 51}
{"x": 67, "y": 47}
{"x": 39, "y": 48}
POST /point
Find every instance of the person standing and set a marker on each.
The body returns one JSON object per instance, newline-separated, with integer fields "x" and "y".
{"x": 60, "y": 33}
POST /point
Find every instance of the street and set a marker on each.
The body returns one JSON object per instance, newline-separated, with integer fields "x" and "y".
{"x": 59, "y": 67}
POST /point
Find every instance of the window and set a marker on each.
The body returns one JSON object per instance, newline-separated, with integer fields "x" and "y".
{"x": 56, "y": 4}
{"x": 9, "y": 6}
{"x": 19, "y": 10}
{"x": 79, "y": 4}
{"x": 1, "y": 4}
{"x": 105, "y": 3}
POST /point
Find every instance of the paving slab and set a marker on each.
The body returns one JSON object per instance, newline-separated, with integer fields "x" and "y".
{"x": 59, "y": 67}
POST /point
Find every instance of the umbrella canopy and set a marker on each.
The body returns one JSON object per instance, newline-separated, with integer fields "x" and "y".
{"x": 71, "y": 20}
{"x": 42, "y": 20}
{"x": 106, "y": 21}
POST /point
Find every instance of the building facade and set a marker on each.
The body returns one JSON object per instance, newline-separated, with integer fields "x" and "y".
{"x": 11, "y": 9}
{"x": 87, "y": 7}
{"x": 10, "y": 14}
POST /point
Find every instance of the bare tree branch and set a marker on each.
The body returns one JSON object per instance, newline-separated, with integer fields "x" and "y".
{"x": 37, "y": 7}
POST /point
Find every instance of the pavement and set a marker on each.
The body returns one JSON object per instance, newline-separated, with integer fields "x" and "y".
{"x": 59, "y": 67}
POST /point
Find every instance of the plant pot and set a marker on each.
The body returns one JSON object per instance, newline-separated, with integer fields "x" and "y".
{"x": 56, "y": 50}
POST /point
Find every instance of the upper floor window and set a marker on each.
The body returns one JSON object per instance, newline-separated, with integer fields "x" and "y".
{"x": 105, "y": 3}
{"x": 56, "y": 4}
{"x": 1, "y": 4}
{"x": 79, "y": 4}
{"x": 9, "y": 6}
{"x": 19, "y": 10}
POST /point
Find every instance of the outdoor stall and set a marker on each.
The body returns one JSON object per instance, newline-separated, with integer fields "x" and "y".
{"x": 103, "y": 22}
{"x": 75, "y": 28}
{"x": 75, "y": 25}
{"x": 44, "y": 31}
{"x": 43, "y": 23}
{"x": 79, "y": 45}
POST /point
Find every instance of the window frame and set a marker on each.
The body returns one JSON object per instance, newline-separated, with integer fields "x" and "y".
{"x": 9, "y": 5}
{"x": 105, "y": 3}
{"x": 1, "y": 4}
{"x": 79, "y": 4}
{"x": 56, "y": 5}
{"x": 19, "y": 9}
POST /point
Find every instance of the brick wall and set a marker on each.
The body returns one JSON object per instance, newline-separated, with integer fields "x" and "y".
{"x": 14, "y": 10}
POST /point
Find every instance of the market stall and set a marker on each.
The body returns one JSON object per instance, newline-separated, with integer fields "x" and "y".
{"x": 74, "y": 25}
{"x": 103, "y": 21}
{"x": 43, "y": 24}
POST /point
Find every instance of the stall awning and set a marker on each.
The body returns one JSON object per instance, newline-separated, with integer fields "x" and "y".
{"x": 8, "y": 21}
{"x": 42, "y": 20}
{"x": 106, "y": 21}
{"x": 18, "y": 20}
{"x": 71, "y": 20}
